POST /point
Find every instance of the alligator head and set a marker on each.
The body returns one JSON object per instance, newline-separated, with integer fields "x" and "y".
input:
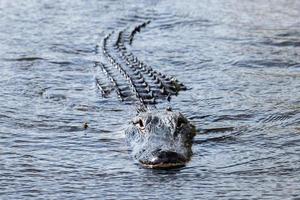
{"x": 160, "y": 139}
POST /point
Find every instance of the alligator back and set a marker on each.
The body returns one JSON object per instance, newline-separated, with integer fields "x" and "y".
{"x": 132, "y": 79}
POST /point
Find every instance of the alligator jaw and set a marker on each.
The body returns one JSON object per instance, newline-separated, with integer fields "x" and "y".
{"x": 163, "y": 165}
{"x": 165, "y": 160}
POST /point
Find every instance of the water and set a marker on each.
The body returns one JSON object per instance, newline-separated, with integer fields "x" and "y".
{"x": 240, "y": 61}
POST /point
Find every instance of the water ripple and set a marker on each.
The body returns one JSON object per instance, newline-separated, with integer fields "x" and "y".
{"x": 239, "y": 60}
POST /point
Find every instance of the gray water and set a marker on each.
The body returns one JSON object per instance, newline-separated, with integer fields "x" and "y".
{"x": 239, "y": 59}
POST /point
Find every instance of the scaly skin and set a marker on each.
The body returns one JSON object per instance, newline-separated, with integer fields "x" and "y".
{"x": 160, "y": 139}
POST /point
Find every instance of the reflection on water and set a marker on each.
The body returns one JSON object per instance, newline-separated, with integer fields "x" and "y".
{"x": 240, "y": 61}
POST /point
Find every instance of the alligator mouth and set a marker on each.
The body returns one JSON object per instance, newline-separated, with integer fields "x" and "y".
{"x": 163, "y": 165}
{"x": 165, "y": 160}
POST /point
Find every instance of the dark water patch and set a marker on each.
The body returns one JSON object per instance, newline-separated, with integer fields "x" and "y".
{"x": 249, "y": 162}
{"x": 192, "y": 117}
{"x": 62, "y": 63}
{"x": 28, "y": 156}
{"x": 204, "y": 23}
{"x": 292, "y": 142}
{"x": 289, "y": 33}
{"x": 266, "y": 63}
{"x": 216, "y": 130}
{"x": 236, "y": 117}
{"x": 69, "y": 49}
{"x": 271, "y": 171}
{"x": 283, "y": 43}
{"x": 30, "y": 171}
{"x": 26, "y": 59}
{"x": 83, "y": 108}
{"x": 220, "y": 135}
{"x": 4, "y": 116}
{"x": 218, "y": 139}
{"x": 134, "y": 19}
{"x": 279, "y": 117}
{"x": 69, "y": 128}
{"x": 54, "y": 97}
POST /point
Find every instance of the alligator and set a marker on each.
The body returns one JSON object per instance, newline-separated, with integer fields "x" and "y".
{"x": 158, "y": 139}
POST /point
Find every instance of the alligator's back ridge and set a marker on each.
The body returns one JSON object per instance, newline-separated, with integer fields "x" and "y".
{"x": 132, "y": 79}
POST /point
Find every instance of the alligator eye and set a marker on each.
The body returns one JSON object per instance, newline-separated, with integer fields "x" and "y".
{"x": 181, "y": 121}
{"x": 141, "y": 124}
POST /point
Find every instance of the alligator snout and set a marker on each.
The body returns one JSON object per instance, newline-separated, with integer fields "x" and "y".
{"x": 165, "y": 159}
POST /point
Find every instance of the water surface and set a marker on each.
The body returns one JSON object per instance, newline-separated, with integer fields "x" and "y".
{"x": 240, "y": 61}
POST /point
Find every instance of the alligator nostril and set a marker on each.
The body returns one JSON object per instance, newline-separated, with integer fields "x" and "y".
{"x": 168, "y": 157}
{"x": 168, "y": 154}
